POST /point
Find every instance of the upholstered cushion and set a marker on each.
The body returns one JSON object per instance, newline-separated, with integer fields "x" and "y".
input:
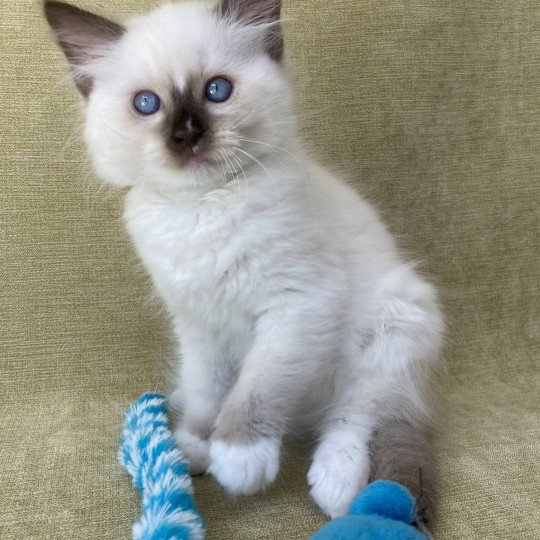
{"x": 432, "y": 109}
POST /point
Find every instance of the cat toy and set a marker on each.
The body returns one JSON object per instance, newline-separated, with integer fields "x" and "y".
{"x": 383, "y": 510}
{"x": 149, "y": 454}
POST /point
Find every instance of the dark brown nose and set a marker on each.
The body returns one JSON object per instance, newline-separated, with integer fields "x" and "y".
{"x": 187, "y": 135}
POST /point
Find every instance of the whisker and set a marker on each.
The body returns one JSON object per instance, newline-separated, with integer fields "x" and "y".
{"x": 235, "y": 174}
{"x": 121, "y": 135}
{"x": 235, "y": 126}
{"x": 239, "y": 161}
{"x": 221, "y": 165}
{"x": 263, "y": 167}
{"x": 281, "y": 149}
{"x": 300, "y": 165}
{"x": 127, "y": 160}
{"x": 229, "y": 167}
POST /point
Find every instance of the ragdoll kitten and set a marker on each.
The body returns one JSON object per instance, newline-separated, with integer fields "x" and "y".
{"x": 294, "y": 309}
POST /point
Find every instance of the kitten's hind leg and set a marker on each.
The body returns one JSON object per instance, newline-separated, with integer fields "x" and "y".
{"x": 383, "y": 402}
{"x": 341, "y": 463}
{"x": 388, "y": 381}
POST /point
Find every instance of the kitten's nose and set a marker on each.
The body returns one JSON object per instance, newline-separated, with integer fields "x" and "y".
{"x": 188, "y": 134}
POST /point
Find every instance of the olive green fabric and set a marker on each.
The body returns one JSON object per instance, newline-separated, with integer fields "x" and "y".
{"x": 432, "y": 108}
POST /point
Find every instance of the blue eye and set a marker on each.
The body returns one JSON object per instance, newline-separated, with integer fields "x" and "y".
{"x": 147, "y": 103}
{"x": 219, "y": 90}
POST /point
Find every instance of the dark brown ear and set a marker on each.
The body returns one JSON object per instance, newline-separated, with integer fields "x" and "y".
{"x": 263, "y": 12}
{"x": 82, "y": 36}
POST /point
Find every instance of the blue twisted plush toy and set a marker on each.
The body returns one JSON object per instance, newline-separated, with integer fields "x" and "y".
{"x": 149, "y": 453}
{"x": 383, "y": 510}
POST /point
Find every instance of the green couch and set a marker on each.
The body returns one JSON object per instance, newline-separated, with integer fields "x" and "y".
{"x": 433, "y": 109}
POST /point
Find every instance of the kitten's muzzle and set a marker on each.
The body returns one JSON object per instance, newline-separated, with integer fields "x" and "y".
{"x": 186, "y": 136}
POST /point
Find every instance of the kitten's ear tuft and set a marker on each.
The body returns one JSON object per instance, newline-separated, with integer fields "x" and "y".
{"x": 82, "y": 35}
{"x": 258, "y": 12}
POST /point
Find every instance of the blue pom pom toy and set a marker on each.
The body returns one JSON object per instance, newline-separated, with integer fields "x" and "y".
{"x": 149, "y": 454}
{"x": 383, "y": 510}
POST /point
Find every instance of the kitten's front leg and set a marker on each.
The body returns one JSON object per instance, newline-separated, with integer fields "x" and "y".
{"x": 204, "y": 380}
{"x": 246, "y": 443}
{"x": 245, "y": 446}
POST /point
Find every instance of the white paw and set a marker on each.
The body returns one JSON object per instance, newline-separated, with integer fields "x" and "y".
{"x": 195, "y": 450}
{"x": 336, "y": 478}
{"x": 244, "y": 469}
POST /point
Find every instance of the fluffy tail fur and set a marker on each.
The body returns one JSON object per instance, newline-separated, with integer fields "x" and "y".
{"x": 400, "y": 451}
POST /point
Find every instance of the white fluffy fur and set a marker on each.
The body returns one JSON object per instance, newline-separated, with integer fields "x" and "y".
{"x": 245, "y": 469}
{"x": 288, "y": 294}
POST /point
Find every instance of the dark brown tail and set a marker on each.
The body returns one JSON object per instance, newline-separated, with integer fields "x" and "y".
{"x": 400, "y": 451}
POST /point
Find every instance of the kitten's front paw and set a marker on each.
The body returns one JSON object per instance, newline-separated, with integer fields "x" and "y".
{"x": 195, "y": 450}
{"x": 244, "y": 469}
{"x": 335, "y": 480}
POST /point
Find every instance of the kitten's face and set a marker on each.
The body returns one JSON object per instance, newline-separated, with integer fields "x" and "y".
{"x": 184, "y": 95}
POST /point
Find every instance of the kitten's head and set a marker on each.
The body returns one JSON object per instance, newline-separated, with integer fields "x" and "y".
{"x": 180, "y": 96}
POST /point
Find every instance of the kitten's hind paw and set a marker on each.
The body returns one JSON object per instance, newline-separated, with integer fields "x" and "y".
{"x": 244, "y": 469}
{"x": 335, "y": 479}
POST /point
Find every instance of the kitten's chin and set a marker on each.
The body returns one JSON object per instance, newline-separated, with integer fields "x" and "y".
{"x": 198, "y": 164}
{"x": 196, "y": 174}
{"x": 193, "y": 176}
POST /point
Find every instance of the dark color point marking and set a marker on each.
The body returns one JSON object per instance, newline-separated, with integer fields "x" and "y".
{"x": 258, "y": 12}
{"x": 80, "y": 34}
{"x": 400, "y": 451}
{"x": 188, "y": 122}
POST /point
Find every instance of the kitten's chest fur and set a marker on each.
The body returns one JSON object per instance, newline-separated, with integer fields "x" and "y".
{"x": 201, "y": 262}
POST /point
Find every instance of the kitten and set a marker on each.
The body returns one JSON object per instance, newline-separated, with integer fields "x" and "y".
{"x": 294, "y": 309}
